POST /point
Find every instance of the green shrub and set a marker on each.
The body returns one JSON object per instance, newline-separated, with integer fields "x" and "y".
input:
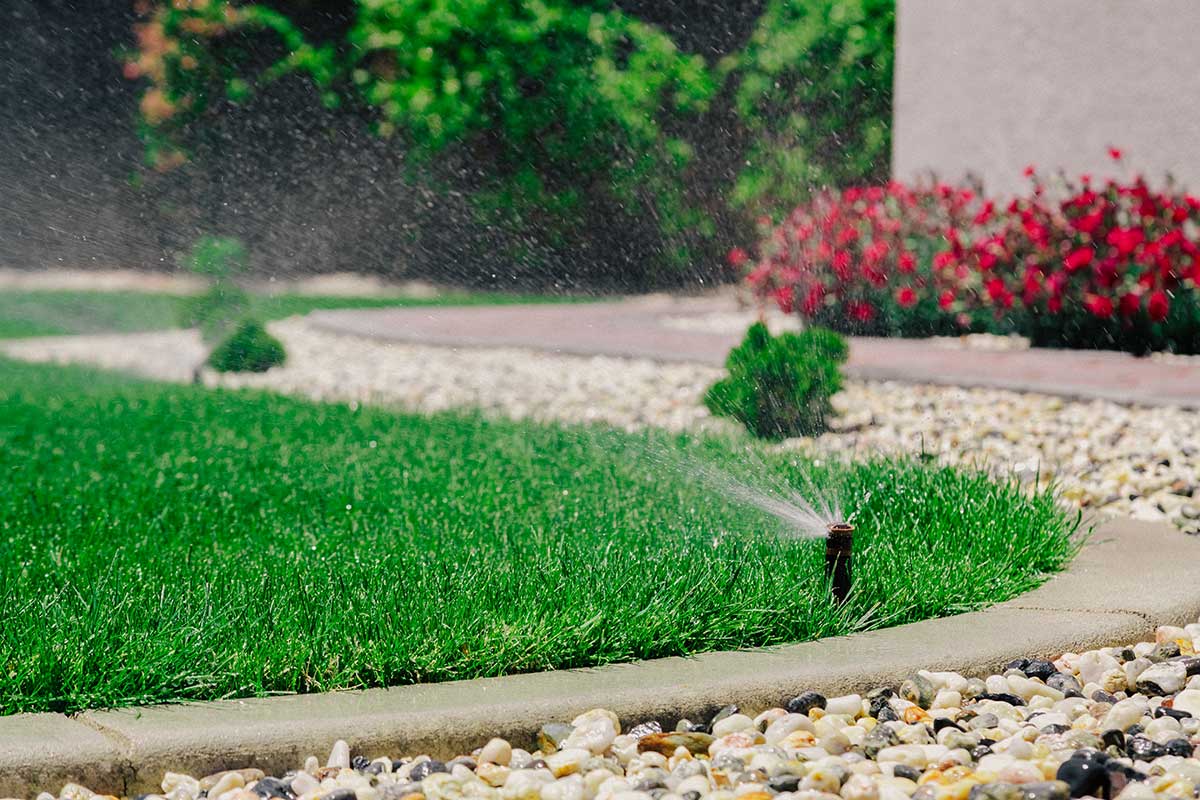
{"x": 221, "y": 258}
{"x": 216, "y": 311}
{"x": 558, "y": 111}
{"x": 780, "y": 386}
{"x": 814, "y": 94}
{"x": 248, "y": 349}
{"x": 590, "y": 145}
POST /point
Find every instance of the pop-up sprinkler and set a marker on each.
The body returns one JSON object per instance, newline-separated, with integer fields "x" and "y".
{"x": 839, "y": 550}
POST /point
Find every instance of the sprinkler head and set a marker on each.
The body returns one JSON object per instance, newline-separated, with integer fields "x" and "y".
{"x": 839, "y": 553}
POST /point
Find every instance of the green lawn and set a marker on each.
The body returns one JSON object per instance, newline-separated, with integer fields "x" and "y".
{"x": 170, "y": 542}
{"x": 55, "y": 313}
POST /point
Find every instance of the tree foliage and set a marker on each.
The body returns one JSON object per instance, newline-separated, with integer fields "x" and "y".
{"x": 563, "y": 120}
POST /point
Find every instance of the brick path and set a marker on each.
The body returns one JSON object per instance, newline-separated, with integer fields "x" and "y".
{"x": 635, "y": 328}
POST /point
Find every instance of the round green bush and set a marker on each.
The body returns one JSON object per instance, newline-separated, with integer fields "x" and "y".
{"x": 780, "y": 386}
{"x": 249, "y": 349}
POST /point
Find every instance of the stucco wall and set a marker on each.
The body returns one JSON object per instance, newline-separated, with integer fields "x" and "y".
{"x": 988, "y": 86}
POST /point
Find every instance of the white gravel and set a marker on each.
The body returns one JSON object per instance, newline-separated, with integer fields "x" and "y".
{"x": 1142, "y": 462}
{"x": 626, "y": 393}
{"x": 1119, "y": 722}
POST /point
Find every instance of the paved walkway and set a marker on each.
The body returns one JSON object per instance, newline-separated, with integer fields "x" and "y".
{"x": 656, "y": 328}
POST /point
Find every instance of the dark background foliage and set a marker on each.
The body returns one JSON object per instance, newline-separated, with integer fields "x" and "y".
{"x": 313, "y": 190}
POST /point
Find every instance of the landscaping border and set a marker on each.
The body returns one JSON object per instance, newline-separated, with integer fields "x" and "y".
{"x": 635, "y": 329}
{"x": 1130, "y": 577}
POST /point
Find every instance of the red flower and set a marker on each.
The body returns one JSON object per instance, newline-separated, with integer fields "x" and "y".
{"x": 1115, "y": 153}
{"x": 1078, "y": 259}
{"x": 1029, "y": 171}
{"x": 1054, "y": 304}
{"x": 759, "y": 274}
{"x": 737, "y": 257}
{"x": 1107, "y": 273}
{"x": 875, "y": 275}
{"x": 985, "y": 213}
{"x": 907, "y": 263}
{"x": 876, "y": 252}
{"x": 785, "y": 297}
{"x": 906, "y": 296}
{"x": 1129, "y": 304}
{"x": 860, "y": 310}
{"x": 1125, "y": 240}
{"x": 946, "y": 300}
{"x": 841, "y": 265}
{"x": 1037, "y": 232}
{"x": 1099, "y": 306}
{"x": 1158, "y": 305}
{"x": 943, "y": 260}
{"x": 813, "y": 300}
{"x": 1088, "y": 222}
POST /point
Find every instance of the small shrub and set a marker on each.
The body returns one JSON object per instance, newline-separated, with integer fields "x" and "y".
{"x": 224, "y": 304}
{"x": 248, "y": 349}
{"x": 216, "y": 311}
{"x": 221, "y": 258}
{"x": 780, "y": 386}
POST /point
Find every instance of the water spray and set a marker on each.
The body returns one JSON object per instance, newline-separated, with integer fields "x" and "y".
{"x": 839, "y": 553}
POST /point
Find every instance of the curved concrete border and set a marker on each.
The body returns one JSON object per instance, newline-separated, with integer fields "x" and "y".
{"x": 1129, "y": 578}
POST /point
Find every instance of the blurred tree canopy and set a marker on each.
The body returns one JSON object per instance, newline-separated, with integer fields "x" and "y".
{"x": 625, "y": 143}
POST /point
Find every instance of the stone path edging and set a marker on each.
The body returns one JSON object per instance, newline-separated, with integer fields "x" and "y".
{"x": 637, "y": 328}
{"x": 1129, "y": 578}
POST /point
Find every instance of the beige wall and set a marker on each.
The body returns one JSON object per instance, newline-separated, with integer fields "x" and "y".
{"x": 988, "y": 86}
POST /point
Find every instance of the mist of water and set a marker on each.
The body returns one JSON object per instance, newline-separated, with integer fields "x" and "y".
{"x": 803, "y": 514}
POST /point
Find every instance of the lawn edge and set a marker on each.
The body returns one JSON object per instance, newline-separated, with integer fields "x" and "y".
{"x": 1128, "y": 578}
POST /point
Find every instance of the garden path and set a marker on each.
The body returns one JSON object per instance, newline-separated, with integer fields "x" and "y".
{"x": 703, "y": 330}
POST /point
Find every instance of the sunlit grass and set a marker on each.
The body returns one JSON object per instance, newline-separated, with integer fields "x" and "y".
{"x": 169, "y": 542}
{"x": 54, "y": 313}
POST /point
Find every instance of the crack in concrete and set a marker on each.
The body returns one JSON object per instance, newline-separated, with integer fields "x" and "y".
{"x": 1141, "y": 615}
{"x": 126, "y": 770}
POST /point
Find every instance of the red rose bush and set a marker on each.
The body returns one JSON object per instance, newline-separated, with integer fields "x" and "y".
{"x": 1072, "y": 263}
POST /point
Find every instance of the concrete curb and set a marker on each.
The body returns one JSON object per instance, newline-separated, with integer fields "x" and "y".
{"x": 1129, "y": 578}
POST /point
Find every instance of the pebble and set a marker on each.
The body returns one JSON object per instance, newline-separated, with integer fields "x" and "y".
{"x": 1118, "y": 459}
{"x": 1012, "y": 736}
{"x": 497, "y": 751}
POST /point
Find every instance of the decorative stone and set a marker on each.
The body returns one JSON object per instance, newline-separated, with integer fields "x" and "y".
{"x": 496, "y": 751}
{"x": 1165, "y": 678}
{"x": 552, "y": 735}
{"x": 667, "y": 743}
{"x": 1188, "y": 701}
{"x": 339, "y": 756}
{"x": 805, "y": 702}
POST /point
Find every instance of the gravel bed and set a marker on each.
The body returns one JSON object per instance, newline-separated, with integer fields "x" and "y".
{"x": 1119, "y": 722}
{"x": 626, "y": 393}
{"x": 1134, "y": 461}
